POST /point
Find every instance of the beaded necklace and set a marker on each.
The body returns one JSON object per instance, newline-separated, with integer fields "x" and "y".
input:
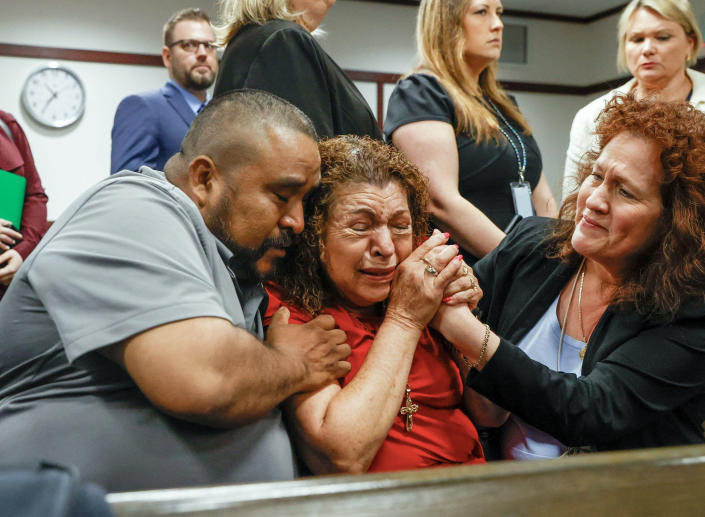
{"x": 521, "y": 157}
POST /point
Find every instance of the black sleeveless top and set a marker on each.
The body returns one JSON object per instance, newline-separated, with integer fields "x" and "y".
{"x": 485, "y": 170}
{"x": 282, "y": 58}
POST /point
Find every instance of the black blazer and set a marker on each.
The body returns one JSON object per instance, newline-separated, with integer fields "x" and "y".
{"x": 642, "y": 383}
{"x": 282, "y": 58}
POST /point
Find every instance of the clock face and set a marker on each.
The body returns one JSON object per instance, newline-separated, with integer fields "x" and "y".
{"x": 54, "y": 96}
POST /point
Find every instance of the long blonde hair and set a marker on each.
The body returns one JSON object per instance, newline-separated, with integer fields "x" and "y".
{"x": 234, "y": 14}
{"x": 440, "y": 42}
{"x": 678, "y": 11}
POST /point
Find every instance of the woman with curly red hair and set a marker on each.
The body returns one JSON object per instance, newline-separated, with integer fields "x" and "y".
{"x": 606, "y": 306}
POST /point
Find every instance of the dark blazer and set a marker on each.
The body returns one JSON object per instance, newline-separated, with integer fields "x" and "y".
{"x": 282, "y": 58}
{"x": 643, "y": 380}
{"x": 148, "y": 129}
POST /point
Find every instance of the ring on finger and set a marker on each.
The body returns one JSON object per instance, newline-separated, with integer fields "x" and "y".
{"x": 466, "y": 271}
{"x": 429, "y": 267}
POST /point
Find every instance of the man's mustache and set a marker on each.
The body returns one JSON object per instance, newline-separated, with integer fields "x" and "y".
{"x": 283, "y": 240}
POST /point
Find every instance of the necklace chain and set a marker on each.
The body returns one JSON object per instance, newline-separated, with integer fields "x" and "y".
{"x": 581, "y": 275}
{"x": 580, "y": 305}
{"x": 521, "y": 158}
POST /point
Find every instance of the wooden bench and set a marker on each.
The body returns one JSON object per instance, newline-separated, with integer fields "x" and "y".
{"x": 650, "y": 482}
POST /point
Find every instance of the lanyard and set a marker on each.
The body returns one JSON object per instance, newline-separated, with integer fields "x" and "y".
{"x": 521, "y": 157}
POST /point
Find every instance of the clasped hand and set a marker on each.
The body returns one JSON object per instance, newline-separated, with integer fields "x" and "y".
{"x": 10, "y": 260}
{"x": 316, "y": 347}
{"x": 8, "y": 236}
{"x": 432, "y": 273}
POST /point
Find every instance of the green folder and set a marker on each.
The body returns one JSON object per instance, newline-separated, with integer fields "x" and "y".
{"x": 12, "y": 187}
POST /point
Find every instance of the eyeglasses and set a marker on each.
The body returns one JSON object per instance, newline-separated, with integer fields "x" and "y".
{"x": 192, "y": 45}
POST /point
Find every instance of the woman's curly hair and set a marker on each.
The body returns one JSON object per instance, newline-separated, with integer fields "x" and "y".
{"x": 672, "y": 271}
{"x": 345, "y": 160}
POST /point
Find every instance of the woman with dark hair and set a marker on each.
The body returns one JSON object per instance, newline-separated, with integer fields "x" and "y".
{"x": 401, "y": 405}
{"x": 606, "y": 305}
{"x": 452, "y": 119}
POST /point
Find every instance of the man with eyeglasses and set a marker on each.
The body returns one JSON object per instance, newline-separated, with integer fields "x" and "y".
{"x": 149, "y": 126}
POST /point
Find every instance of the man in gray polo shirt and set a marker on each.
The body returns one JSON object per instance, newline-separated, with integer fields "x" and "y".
{"x": 131, "y": 343}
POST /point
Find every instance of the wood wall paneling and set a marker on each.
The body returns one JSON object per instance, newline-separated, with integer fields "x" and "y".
{"x": 379, "y": 78}
{"x": 70, "y": 54}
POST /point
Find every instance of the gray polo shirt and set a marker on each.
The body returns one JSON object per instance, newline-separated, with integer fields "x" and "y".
{"x": 130, "y": 254}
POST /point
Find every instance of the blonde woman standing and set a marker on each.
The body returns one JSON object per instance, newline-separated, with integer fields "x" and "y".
{"x": 464, "y": 132}
{"x": 269, "y": 47}
{"x": 658, "y": 41}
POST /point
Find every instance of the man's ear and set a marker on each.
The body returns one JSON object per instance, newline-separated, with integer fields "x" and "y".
{"x": 203, "y": 178}
{"x": 166, "y": 57}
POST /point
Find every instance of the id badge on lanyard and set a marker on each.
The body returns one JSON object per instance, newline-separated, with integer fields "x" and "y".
{"x": 521, "y": 195}
{"x": 521, "y": 190}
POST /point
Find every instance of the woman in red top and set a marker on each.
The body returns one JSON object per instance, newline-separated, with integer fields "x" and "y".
{"x": 401, "y": 406}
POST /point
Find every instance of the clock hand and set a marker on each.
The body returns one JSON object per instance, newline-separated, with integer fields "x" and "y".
{"x": 48, "y": 102}
{"x": 65, "y": 87}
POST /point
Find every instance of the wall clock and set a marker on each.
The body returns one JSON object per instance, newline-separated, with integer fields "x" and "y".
{"x": 54, "y": 96}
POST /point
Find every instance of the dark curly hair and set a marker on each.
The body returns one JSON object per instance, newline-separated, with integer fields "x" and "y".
{"x": 344, "y": 160}
{"x": 672, "y": 271}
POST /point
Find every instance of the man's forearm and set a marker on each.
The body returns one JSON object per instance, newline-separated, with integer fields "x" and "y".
{"x": 255, "y": 380}
{"x": 208, "y": 371}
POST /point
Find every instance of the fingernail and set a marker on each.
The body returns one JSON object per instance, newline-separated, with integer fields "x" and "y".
{"x": 459, "y": 257}
{"x": 446, "y": 299}
{"x": 456, "y": 246}
{"x": 446, "y": 235}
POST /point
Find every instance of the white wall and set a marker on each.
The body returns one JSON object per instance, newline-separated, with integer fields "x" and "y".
{"x": 123, "y": 26}
{"x": 361, "y": 36}
{"x": 72, "y": 159}
{"x": 550, "y": 117}
{"x": 558, "y": 53}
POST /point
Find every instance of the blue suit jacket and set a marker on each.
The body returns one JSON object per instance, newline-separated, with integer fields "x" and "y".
{"x": 148, "y": 129}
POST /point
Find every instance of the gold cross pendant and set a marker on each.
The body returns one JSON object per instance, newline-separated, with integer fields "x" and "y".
{"x": 408, "y": 410}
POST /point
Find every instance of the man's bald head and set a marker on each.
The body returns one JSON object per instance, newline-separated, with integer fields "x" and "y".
{"x": 233, "y": 130}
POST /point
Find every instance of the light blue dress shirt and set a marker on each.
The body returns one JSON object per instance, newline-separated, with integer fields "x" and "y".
{"x": 193, "y": 102}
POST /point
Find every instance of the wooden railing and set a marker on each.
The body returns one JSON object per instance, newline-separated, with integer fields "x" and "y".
{"x": 650, "y": 482}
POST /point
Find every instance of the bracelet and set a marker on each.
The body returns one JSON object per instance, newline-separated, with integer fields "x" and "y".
{"x": 483, "y": 350}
